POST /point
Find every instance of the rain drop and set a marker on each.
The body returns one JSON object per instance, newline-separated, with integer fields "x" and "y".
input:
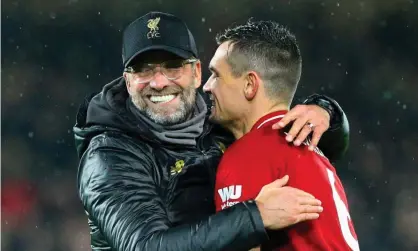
{"x": 203, "y": 19}
{"x": 30, "y": 134}
{"x": 404, "y": 107}
{"x": 210, "y": 29}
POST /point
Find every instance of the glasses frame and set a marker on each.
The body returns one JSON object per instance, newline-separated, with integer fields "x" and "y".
{"x": 130, "y": 69}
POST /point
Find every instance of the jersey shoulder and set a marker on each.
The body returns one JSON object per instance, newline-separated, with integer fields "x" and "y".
{"x": 261, "y": 139}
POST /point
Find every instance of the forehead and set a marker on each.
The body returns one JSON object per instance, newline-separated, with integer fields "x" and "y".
{"x": 219, "y": 58}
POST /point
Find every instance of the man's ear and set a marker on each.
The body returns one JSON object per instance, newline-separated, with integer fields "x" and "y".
{"x": 197, "y": 74}
{"x": 251, "y": 85}
{"x": 127, "y": 82}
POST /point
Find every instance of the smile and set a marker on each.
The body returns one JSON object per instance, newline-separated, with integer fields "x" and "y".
{"x": 162, "y": 99}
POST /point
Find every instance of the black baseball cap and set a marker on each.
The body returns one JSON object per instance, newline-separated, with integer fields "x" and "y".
{"x": 157, "y": 31}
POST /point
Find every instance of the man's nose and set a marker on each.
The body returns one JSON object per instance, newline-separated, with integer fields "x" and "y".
{"x": 159, "y": 81}
{"x": 207, "y": 86}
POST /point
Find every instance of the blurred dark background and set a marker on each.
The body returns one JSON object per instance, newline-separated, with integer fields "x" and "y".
{"x": 362, "y": 53}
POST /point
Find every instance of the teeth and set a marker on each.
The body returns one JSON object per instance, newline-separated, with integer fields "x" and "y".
{"x": 159, "y": 99}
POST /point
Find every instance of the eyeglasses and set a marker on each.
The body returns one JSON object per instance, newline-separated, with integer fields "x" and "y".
{"x": 171, "y": 69}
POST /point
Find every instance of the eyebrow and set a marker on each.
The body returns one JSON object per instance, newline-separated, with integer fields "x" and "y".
{"x": 213, "y": 69}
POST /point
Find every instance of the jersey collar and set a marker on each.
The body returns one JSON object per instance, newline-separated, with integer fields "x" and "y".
{"x": 269, "y": 119}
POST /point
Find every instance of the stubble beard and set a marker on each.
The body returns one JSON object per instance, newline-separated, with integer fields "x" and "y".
{"x": 183, "y": 112}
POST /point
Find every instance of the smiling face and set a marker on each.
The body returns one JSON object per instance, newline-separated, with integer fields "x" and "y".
{"x": 164, "y": 101}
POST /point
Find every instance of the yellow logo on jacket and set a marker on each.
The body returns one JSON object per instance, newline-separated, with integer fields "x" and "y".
{"x": 177, "y": 168}
{"x": 221, "y": 146}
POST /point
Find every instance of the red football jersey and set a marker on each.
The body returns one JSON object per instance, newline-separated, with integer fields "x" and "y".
{"x": 262, "y": 156}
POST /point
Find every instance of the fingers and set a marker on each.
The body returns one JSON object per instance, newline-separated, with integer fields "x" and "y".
{"x": 296, "y": 128}
{"x": 289, "y": 117}
{"x": 309, "y": 213}
{"x": 309, "y": 201}
{"x": 306, "y": 217}
{"x": 275, "y": 185}
{"x": 317, "y": 133}
{"x": 280, "y": 182}
{"x": 300, "y": 115}
{"x": 302, "y": 135}
{"x": 312, "y": 209}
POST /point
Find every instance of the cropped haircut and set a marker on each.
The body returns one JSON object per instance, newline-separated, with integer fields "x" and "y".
{"x": 269, "y": 49}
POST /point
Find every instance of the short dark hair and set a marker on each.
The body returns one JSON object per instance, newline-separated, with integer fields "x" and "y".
{"x": 269, "y": 49}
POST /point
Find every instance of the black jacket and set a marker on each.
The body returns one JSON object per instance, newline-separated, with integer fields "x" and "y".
{"x": 140, "y": 194}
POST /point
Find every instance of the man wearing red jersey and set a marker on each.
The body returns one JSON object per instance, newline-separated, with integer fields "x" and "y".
{"x": 255, "y": 73}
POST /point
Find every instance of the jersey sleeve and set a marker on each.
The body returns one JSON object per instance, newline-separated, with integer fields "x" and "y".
{"x": 311, "y": 172}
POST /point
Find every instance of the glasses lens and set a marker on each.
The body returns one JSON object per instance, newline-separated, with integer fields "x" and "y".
{"x": 142, "y": 71}
{"x": 172, "y": 69}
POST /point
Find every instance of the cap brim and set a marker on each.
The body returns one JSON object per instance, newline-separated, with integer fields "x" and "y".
{"x": 176, "y": 51}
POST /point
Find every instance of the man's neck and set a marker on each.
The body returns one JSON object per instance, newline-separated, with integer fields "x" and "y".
{"x": 244, "y": 125}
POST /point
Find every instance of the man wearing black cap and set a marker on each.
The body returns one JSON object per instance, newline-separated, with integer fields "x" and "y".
{"x": 148, "y": 155}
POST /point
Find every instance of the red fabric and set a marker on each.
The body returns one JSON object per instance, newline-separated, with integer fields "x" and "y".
{"x": 262, "y": 156}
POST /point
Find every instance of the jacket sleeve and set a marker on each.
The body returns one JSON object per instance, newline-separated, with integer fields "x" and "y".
{"x": 120, "y": 195}
{"x": 334, "y": 142}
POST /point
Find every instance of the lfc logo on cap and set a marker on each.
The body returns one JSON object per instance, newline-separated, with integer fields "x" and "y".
{"x": 153, "y": 28}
